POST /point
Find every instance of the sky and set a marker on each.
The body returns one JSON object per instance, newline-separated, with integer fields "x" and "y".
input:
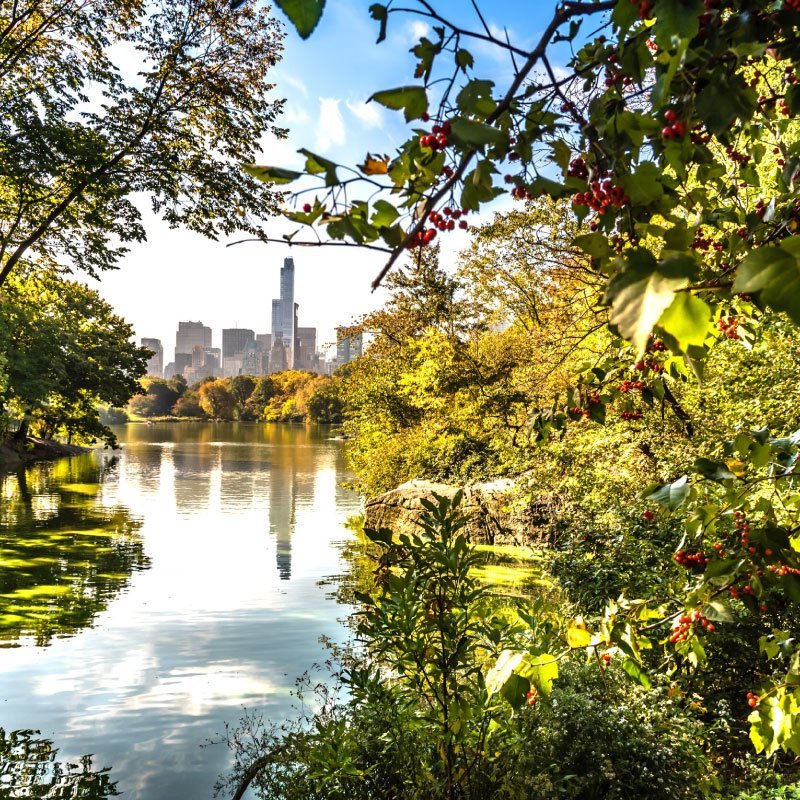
{"x": 326, "y": 80}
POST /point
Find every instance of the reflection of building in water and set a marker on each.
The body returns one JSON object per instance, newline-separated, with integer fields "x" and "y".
{"x": 193, "y": 469}
{"x": 291, "y": 485}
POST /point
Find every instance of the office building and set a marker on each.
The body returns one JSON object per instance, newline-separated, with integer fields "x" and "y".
{"x": 306, "y": 349}
{"x": 190, "y": 334}
{"x": 347, "y": 348}
{"x": 284, "y": 314}
{"x": 234, "y": 343}
{"x": 155, "y": 365}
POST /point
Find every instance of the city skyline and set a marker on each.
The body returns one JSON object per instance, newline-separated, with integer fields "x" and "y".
{"x": 243, "y": 351}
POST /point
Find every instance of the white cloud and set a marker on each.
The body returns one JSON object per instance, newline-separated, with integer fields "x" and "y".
{"x": 330, "y": 130}
{"x": 417, "y": 29}
{"x": 369, "y": 113}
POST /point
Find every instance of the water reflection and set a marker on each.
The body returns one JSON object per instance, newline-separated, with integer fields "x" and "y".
{"x": 64, "y": 555}
{"x": 240, "y": 523}
{"x": 28, "y": 768}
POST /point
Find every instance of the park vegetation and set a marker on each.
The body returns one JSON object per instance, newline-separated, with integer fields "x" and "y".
{"x": 623, "y": 344}
{"x": 289, "y": 396}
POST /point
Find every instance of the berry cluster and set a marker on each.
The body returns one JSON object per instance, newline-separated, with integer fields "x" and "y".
{"x": 631, "y": 415}
{"x": 742, "y": 526}
{"x": 584, "y": 412}
{"x": 649, "y": 515}
{"x": 734, "y": 155}
{"x": 521, "y": 193}
{"x": 446, "y": 221}
{"x": 437, "y": 139}
{"x": 532, "y": 696}
{"x": 675, "y": 127}
{"x": 729, "y": 327}
{"x": 601, "y": 196}
{"x": 782, "y": 570}
{"x": 704, "y": 243}
{"x": 736, "y": 593}
{"x": 683, "y": 626}
{"x": 628, "y": 386}
{"x": 644, "y": 363}
{"x": 421, "y": 238}
{"x": 655, "y": 346}
{"x": 753, "y": 699}
{"x": 578, "y": 169}
{"x": 605, "y": 658}
{"x": 694, "y": 561}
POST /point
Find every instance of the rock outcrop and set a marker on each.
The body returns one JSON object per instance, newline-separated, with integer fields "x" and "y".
{"x": 493, "y": 516}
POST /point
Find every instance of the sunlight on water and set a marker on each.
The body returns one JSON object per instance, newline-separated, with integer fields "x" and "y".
{"x": 147, "y": 596}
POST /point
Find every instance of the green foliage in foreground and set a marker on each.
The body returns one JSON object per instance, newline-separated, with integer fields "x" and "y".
{"x": 454, "y": 692}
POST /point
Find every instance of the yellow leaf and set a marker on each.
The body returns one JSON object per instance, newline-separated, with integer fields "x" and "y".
{"x": 578, "y": 636}
{"x": 375, "y": 165}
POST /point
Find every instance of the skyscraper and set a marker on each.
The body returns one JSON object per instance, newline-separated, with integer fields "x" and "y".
{"x": 155, "y": 366}
{"x": 284, "y": 312}
{"x": 234, "y": 344}
{"x": 306, "y": 349}
{"x": 190, "y": 334}
{"x": 347, "y": 348}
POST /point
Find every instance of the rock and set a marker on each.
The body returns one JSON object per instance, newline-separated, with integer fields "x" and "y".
{"x": 493, "y": 517}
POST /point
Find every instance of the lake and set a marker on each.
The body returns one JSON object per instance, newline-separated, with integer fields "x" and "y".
{"x": 147, "y": 595}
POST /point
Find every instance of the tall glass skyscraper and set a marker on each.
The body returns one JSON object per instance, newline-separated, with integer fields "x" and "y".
{"x": 284, "y": 312}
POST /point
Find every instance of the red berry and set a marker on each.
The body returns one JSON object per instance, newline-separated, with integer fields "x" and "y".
{"x": 307, "y": 208}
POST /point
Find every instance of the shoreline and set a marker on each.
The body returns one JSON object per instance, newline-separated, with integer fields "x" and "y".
{"x": 20, "y": 455}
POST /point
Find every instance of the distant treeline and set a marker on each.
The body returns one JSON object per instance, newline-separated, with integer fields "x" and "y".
{"x": 290, "y": 396}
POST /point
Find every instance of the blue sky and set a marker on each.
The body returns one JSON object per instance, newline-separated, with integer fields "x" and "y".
{"x": 326, "y": 81}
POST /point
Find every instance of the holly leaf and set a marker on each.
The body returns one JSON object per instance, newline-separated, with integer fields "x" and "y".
{"x": 271, "y": 174}
{"x": 412, "y": 100}
{"x": 303, "y": 14}
{"x": 643, "y": 290}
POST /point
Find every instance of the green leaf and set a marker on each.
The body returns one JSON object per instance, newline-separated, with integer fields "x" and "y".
{"x": 380, "y": 13}
{"x": 677, "y": 18}
{"x": 644, "y": 186}
{"x": 687, "y": 319}
{"x": 636, "y": 672}
{"x": 498, "y": 675}
{"x": 713, "y": 470}
{"x": 303, "y": 14}
{"x": 543, "y": 671}
{"x": 595, "y": 244}
{"x": 475, "y": 134}
{"x": 475, "y": 99}
{"x": 464, "y": 59}
{"x": 412, "y": 100}
{"x": 384, "y": 214}
{"x": 669, "y": 495}
{"x": 775, "y": 273}
{"x": 381, "y": 536}
{"x": 640, "y": 293}
{"x": 515, "y": 690}
{"x": 718, "y": 611}
{"x": 272, "y": 174}
{"x": 316, "y": 164}
{"x": 723, "y": 100}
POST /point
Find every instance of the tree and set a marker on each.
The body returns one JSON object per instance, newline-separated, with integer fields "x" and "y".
{"x": 66, "y": 353}
{"x": 672, "y": 130}
{"x": 216, "y": 400}
{"x": 242, "y": 387}
{"x": 173, "y": 132}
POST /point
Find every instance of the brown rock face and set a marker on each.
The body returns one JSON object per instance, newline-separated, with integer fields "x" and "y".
{"x": 492, "y": 516}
